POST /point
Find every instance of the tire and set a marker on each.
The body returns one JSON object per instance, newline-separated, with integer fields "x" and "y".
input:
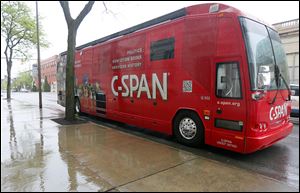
{"x": 188, "y": 129}
{"x": 77, "y": 106}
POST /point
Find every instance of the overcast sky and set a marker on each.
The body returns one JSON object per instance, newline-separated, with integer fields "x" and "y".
{"x": 121, "y": 15}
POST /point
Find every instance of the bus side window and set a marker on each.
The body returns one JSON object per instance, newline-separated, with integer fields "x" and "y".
{"x": 228, "y": 81}
{"x": 162, "y": 49}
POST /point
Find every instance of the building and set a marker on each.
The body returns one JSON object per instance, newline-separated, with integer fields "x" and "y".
{"x": 289, "y": 34}
{"x": 48, "y": 69}
{"x": 35, "y": 71}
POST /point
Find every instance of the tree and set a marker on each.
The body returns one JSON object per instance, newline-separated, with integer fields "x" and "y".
{"x": 24, "y": 80}
{"x": 18, "y": 27}
{"x": 3, "y": 84}
{"x": 46, "y": 86}
{"x": 73, "y": 25}
{"x": 16, "y": 85}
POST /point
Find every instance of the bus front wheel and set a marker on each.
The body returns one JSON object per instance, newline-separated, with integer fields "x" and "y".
{"x": 188, "y": 128}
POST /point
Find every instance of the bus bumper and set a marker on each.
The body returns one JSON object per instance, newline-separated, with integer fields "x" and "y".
{"x": 257, "y": 143}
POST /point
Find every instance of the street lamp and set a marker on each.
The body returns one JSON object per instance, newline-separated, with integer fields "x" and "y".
{"x": 38, "y": 51}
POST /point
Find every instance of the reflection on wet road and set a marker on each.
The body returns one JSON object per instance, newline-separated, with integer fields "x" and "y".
{"x": 39, "y": 155}
{"x": 113, "y": 155}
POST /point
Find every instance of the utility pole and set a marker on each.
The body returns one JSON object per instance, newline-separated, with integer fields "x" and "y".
{"x": 38, "y": 51}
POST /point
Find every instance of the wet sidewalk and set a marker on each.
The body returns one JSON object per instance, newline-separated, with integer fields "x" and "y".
{"x": 37, "y": 154}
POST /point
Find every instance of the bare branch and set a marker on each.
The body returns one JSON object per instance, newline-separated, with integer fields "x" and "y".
{"x": 5, "y": 52}
{"x": 21, "y": 38}
{"x": 23, "y": 53}
{"x": 106, "y": 10}
{"x": 16, "y": 35}
{"x": 87, "y": 8}
{"x": 10, "y": 28}
{"x": 66, "y": 10}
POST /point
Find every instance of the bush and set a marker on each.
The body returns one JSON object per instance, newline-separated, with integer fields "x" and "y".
{"x": 34, "y": 88}
{"x": 46, "y": 86}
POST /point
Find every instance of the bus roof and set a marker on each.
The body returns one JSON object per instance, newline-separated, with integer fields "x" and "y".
{"x": 191, "y": 10}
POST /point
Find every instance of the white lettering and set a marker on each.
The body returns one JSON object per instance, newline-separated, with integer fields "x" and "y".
{"x": 155, "y": 82}
{"x": 144, "y": 87}
{"x": 112, "y": 85}
{"x": 138, "y": 50}
{"x": 126, "y": 93}
{"x": 278, "y": 112}
{"x": 131, "y": 87}
{"x": 141, "y": 86}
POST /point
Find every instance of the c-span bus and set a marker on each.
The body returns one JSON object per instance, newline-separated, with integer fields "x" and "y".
{"x": 207, "y": 74}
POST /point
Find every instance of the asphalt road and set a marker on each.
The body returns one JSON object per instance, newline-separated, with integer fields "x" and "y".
{"x": 280, "y": 161}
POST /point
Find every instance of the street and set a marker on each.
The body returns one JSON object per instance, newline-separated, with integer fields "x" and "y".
{"x": 37, "y": 154}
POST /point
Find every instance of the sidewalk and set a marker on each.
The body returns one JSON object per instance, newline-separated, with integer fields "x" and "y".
{"x": 38, "y": 154}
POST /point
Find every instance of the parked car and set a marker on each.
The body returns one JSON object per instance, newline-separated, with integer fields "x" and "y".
{"x": 295, "y": 100}
{"x": 24, "y": 90}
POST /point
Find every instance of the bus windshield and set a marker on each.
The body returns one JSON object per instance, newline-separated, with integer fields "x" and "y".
{"x": 264, "y": 51}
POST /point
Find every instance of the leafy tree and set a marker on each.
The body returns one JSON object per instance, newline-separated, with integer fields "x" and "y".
{"x": 18, "y": 27}
{"x": 46, "y": 86}
{"x": 3, "y": 84}
{"x": 16, "y": 85}
{"x": 73, "y": 25}
{"x": 24, "y": 80}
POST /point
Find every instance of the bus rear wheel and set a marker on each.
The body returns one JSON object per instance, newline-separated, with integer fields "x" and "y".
{"x": 188, "y": 129}
{"x": 77, "y": 106}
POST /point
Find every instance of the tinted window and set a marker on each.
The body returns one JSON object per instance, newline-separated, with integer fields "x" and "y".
{"x": 259, "y": 52}
{"x": 264, "y": 49}
{"x": 162, "y": 49}
{"x": 280, "y": 56}
{"x": 228, "y": 81}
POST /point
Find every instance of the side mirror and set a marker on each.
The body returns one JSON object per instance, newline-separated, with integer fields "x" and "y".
{"x": 293, "y": 92}
{"x": 263, "y": 77}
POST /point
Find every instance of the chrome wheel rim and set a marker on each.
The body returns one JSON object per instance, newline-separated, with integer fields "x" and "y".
{"x": 187, "y": 128}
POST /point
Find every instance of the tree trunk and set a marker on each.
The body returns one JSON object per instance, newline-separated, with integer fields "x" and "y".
{"x": 72, "y": 30}
{"x": 70, "y": 99}
{"x": 8, "y": 91}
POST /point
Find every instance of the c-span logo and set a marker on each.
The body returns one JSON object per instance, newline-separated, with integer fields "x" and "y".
{"x": 278, "y": 111}
{"x": 140, "y": 85}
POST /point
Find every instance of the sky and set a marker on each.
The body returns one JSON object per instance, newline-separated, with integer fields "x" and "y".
{"x": 121, "y": 15}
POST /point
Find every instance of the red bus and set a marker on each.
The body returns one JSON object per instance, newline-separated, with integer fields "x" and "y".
{"x": 207, "y": 74}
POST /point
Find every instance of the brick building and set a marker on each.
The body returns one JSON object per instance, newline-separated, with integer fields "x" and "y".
{"x": 48, "y": 69}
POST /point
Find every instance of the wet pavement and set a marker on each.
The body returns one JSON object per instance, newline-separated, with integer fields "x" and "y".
{"x": 37, "y": 154}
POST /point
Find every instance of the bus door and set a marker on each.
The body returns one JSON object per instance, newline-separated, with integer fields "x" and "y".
{"x": 229, "y": 105}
